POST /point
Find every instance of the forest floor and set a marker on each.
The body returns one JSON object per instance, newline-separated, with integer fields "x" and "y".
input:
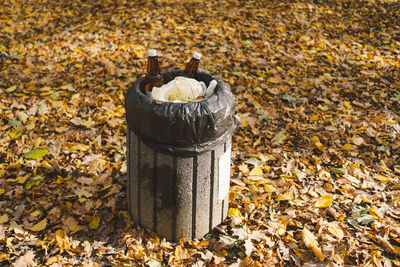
{"x": 315, "y": 176}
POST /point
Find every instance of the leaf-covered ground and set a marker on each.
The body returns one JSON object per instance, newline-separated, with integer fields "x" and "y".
{"x": 316, "y": 167}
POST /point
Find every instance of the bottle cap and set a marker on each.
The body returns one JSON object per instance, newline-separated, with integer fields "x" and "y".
{"x": 152, "y": 52}
{"x": 197, "y": 55}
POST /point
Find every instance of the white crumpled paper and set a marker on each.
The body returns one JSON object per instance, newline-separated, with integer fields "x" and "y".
{"x": 180, "y": 89}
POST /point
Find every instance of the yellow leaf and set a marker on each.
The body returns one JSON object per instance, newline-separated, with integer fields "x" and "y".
{"x": 315, "y": 117}
{"x": 311, "y": 242}
{"x": 234, "y": 212}
{"x": 36, "y": 213}
{"x": 244, "y": 123}
{"x": 46, "y": 165}
{"x": 2, "y": 191}
{"x": 324, "y": 201}
{"x": 285, "y": 196}
{"x": 346, "y": 146}
{"x": 4, "y": 218}
{"x": 79, "y": 147}
{"x": 62, "y": 240}
{"x": 373, "y": 212}
{"x": 335, "y": 230}
{"x": 179, "y": 253}
{"x": 4, "y": 256}
{"x": 275, "y": 79}
{"x": 52, "y": 260}
{"x": 256, "y": 172}
{"x": 94, "y": 222}
{"x": 40, "y": 225}
{"x": 269, "y": 188}
{"x": 9, "y": 30}
{"x": 11, "y": 89}
{"x": 330, "y": 58}
{"x": 347, "y": 104}
{"x": 382, "y": 178}
{"x": 22, "y": 179}
{"x": 76, "y": 228}
{"x": 59, "y": 68}
{"x": 243, "y": 168}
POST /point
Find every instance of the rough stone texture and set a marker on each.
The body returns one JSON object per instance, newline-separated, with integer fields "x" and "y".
{"x": 166, "y": 196}
{"x": 174, "y": 196}
{"x": 201, "y": 217}
{"x": 146, "y": 186}
{"x": 184, "y": 183}
{"x": 133, "y": 189}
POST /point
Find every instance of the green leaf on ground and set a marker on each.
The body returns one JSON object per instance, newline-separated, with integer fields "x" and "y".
{"x": 292, "y": 100}
{"x": 338, "y": 170}
{"x": 279, "y": 137}
{"x": 15, "y": 134}
{"x": 35, "y": 154}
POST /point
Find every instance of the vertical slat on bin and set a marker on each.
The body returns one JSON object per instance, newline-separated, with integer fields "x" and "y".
{"x": 133, "y": 189}
{"x": 202, "y": 208}
{"x": 216, "y": 203}
{"x": 227, "y": 147}
{"x": 128, "y": 183}
{"x": 184, "y": 196}
{"x": 146, "y": 186}
{"x": 166, "y": 196}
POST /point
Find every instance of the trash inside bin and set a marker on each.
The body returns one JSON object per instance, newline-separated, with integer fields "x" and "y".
{"x": 179, "y": 160}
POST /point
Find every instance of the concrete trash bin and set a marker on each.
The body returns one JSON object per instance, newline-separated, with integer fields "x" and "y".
{"x": 179, "y": 160}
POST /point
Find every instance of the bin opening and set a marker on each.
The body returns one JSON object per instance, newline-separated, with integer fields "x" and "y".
{"x": 170, "y": 75}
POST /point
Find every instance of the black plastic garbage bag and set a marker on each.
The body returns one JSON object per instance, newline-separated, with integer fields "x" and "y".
{"x": 183, "y": 128}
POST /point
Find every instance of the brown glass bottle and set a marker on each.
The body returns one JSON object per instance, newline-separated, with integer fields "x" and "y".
{"x": 193, "y": 65}
{"x": 153, "y": 77}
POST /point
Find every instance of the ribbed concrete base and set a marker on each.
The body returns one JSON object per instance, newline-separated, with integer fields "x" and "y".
{"x": 177, "y": 196}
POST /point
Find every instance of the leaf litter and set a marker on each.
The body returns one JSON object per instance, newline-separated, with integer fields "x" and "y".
{"x": 315, "y": 173}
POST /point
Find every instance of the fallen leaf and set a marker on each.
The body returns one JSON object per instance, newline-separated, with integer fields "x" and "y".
{"x": 11, "y": 89}
{"x": 335, "y": 230}
{"x": 16, "y": 134}
{"x": 256, "y": 172}
{"x": 27, "y": 260}
{"x": 269, "y": 188}
{"x": 35, "y": 154}
{"x": 311, "y": 242}
{"x": 39, "y": 226}
{"x": 285, "y": 196}
{"x": 3, "y": 218}
{"x": 94, "y": 222}
{"x": 324, "y": 201}
{"x": 279, "y": 137}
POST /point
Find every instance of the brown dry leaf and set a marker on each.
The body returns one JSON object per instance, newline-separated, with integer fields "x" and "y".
{"x": 3, "y": 218}
{"x": 311, "y": 242}
{"x": 27, "y": 260}
{"x": 335, "y": 230}
{"x": 179, "y": 253}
